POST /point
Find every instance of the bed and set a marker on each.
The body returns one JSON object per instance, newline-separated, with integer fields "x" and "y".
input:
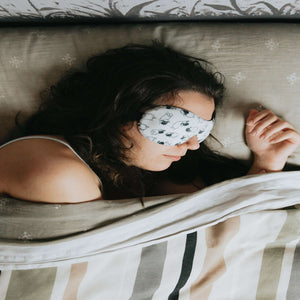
{"x": 238, "y": 239}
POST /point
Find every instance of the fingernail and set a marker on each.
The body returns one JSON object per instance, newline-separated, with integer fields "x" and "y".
{"x": 260, "y": 107}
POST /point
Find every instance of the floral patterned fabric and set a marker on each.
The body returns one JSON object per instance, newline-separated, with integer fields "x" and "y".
{"x": 260, "y": 62}
{"x": 233, "y": 240}
{"x": 41, "y": 10}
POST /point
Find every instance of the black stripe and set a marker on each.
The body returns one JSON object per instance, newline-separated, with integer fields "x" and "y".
{"x": 187, "y": 264}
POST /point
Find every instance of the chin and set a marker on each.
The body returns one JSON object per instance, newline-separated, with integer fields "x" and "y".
{"x": 158, "y": 167}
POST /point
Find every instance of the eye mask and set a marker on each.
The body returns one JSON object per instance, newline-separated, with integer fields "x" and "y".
{"x": 169, "y": 125}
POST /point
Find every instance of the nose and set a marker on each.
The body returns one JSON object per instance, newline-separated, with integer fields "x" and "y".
{"x": 192, "y": 143}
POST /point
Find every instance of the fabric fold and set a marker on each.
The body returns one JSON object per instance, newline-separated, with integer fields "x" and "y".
{"x": 157, "y": 223}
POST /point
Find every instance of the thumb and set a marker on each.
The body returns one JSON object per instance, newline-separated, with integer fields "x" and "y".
{"x": 252, "y": 113}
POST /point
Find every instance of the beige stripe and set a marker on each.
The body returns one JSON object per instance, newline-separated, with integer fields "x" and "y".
{"x": 31, "y": 284}
{"x": 60, "y": 282}
{"x": 4, "y": 283}
{"x": 273, "y": 256}
{"x": 287, "y": 264}
{"x": 115, "y": 274}
{"x": 76, "y": 275}
{"x": 217, "y": 238}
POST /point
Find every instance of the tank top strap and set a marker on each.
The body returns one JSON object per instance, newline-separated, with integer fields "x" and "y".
{"x": 56, "y": 140}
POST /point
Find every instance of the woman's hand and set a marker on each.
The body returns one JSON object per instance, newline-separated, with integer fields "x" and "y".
{"x": 271, "y": 139}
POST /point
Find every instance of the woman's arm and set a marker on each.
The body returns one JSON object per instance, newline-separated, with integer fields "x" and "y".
{"x": 271, "y": 140}
{"x": 45, "y": 171}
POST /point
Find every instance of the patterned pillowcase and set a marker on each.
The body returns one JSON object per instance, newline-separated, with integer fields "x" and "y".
{"x": 260, "y": 61}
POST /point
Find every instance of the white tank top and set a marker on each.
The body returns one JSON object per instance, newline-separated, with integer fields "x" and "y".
{"x": 57, "y": 140}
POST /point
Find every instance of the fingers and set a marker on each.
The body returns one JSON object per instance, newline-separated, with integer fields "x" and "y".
{"x": 267, "y": 126}
{"x": 255, "y": 116}
{"x": 291, "y": 135}
{"x": 276, "y": 127}
{"x": 252, "y": 113}
{"x": 263, "y": 123}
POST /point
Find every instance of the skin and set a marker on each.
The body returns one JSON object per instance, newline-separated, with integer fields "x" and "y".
{"x": 42, "y": 170}
{"x": 52, "y": 173}
{"x": 271, "y": 140}
{"x": 151, "y": 156}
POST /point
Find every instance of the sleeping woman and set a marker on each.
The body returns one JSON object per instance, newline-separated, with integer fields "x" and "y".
{"x": 133, "y": 124}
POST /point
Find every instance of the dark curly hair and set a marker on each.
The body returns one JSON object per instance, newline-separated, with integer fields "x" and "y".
{"x": 89, "y": 108}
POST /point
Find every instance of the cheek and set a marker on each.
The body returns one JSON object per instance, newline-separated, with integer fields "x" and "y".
{"x": 150, "y": 156}
{"x": 151, "y": 149}
{"x": 146, "y": 154}
{"x": 145, "y": 146}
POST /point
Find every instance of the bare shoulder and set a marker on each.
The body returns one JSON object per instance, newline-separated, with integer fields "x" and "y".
{"x": 46, "y": 171}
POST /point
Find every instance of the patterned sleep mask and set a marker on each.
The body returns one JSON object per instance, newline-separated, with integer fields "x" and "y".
{"x": 170, "y": 125}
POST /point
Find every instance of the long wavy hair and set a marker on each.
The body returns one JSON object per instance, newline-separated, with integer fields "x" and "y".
{"x": 90, "y": 107}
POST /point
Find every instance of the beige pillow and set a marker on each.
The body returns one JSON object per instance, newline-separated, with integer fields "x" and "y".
{"x": 261, "y": 63}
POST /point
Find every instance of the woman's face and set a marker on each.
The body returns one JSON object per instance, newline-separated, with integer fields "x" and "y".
{"x": 151, "y": 156}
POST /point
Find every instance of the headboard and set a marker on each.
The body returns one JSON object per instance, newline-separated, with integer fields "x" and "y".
{"x": 54, "y": 11}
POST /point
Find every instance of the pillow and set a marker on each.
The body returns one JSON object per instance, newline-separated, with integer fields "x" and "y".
{"x": 260, "y": 61}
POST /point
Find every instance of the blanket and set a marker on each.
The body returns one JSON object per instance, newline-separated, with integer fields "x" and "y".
{"x": 235, "y": 240}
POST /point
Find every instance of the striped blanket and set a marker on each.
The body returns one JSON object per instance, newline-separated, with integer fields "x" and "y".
{"x": 235, "y": 240}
